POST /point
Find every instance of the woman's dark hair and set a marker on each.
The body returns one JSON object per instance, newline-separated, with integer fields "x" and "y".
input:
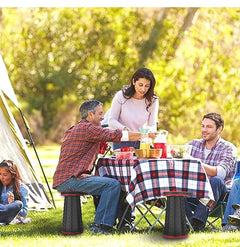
{"x": 11, "y": 167}
{"x": 217, "y": 118}
{"x": 129, "y": 91}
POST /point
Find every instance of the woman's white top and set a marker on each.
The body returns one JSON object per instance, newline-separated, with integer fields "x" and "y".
{"x": 132, "y": 113}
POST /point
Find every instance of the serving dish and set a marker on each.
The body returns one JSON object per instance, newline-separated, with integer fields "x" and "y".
{"x": 180, "y": 151}
{"x": 124, "y": 155}
{"x": 148, "y": 153}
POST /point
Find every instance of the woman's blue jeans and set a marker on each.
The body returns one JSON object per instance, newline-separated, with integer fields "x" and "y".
{"x": 9, "y": 211}
{"x": 201, "y": 211}
{"x": 233, "y": 200}
{"x": 109, "y": 189}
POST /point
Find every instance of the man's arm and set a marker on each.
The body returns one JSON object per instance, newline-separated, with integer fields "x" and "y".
{"x": 210, "y": 170}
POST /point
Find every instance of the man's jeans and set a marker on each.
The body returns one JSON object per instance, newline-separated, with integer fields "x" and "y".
{"x": 9, "y": 211}
{"x": 108, "y": 188}
{"x": 233, "y": 200}
{"x": 201, "y": 211}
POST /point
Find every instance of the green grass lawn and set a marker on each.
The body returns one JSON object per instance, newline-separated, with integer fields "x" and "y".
{"x": 45, "y": 226}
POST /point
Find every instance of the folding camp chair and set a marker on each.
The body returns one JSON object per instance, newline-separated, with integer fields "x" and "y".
{"x": 217, "y": 213}
{"x": 147, "y": 208}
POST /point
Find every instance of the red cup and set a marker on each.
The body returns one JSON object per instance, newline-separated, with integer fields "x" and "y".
{"x": 162, "y": 146}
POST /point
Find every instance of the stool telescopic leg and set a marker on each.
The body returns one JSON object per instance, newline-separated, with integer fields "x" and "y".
{"x": 72, "y": 216}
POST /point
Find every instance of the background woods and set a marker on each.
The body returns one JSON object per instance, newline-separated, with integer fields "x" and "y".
{"x": 58, "y": 57}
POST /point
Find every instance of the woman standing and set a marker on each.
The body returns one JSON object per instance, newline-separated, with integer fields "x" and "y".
{"x": 13, "y": 194}
{"x": 135, "y": 106}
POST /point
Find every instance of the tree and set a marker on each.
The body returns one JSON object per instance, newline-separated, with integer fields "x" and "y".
{"x": 0, "y": 21}
{"x": 58, "y": 57}
{"x": 151, "y": 44}
{"x": 189, "y": 19}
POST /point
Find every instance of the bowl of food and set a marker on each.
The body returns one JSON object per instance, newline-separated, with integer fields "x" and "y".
{"x": 180, "y": 151}
{"x": 124, "y": 155}
{"x": 127, "y": 149}
{"x": 148, "y": 153}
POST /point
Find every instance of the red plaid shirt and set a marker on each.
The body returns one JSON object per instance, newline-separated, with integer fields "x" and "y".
{"x": 79, "y": 150}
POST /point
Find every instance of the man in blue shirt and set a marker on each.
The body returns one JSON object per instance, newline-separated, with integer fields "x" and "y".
{"x": 218, "y": 157}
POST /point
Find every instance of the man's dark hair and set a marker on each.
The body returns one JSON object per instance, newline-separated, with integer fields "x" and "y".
{"x": 217, "y": 118}
{"x": 88, "y": 105}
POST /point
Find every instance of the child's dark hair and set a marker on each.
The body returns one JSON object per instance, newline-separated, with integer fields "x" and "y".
{"x": 11, "y": 167}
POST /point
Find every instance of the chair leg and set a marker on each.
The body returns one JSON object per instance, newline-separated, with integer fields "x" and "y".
{"x": 143, "y": 215}
{"x": 190, "y": 225}
{"x": 123, "y": 216}
{"x": 148, "y": 210}
{"x": 157, "y": 220}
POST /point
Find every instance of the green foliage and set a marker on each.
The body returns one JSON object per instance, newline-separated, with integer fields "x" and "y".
{"x": 58, "y": 57}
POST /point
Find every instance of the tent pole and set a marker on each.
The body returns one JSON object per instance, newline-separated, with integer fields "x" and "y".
{"x": 33, "y": 144}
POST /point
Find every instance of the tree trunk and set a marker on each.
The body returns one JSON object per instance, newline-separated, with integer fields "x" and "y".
{"x": 188, "y": 22}
{"x": 151, "y": 44}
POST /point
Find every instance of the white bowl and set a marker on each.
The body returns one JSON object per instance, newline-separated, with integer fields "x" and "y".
{"x": 180, "y": 151}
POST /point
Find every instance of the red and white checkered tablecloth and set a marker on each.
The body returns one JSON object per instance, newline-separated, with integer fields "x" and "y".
{"x": 146, "y": 180}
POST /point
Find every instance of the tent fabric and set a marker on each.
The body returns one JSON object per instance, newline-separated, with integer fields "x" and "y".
{"x": 5, "y": 84}
{"x": 13, "y": 147}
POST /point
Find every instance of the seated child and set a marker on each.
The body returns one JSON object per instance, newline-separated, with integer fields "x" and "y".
{"x": 13, "y": 195}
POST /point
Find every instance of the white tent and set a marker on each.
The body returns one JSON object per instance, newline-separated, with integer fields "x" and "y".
{"x": 13, "y": 145}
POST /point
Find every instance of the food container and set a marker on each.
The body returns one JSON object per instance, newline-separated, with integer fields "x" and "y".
{"x": 161, "y": 142}
{"x": 124, "y": 155}
{"x": 148, "y": 153}
{"x": 180, "y": 151}
{"x": 127, "y": 149}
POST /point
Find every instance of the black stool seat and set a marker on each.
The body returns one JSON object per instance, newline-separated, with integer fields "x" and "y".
{"x": 72, "y": 213}
{"x": 175, "y": 220}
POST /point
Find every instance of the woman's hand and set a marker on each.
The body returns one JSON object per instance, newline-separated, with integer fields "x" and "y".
{"x": 10, "y": 197}
{"x": 152, "y": 135}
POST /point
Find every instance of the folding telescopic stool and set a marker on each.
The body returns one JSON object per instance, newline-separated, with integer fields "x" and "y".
{"x": 175, "y": 220}
{"x": 72, "y": 213}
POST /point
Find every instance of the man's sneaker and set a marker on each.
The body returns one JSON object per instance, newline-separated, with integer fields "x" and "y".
{"x": 101, "y": 229}
{"x": 234, "y": 218}
{"x": 126, "y": 227}
{"x": 107, "y": 229}
{"x": 230, "y": 228}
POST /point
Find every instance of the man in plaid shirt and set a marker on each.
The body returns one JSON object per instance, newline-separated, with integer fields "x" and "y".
{"x": 219, "y": 161}
{"x": 78, "y": 154}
